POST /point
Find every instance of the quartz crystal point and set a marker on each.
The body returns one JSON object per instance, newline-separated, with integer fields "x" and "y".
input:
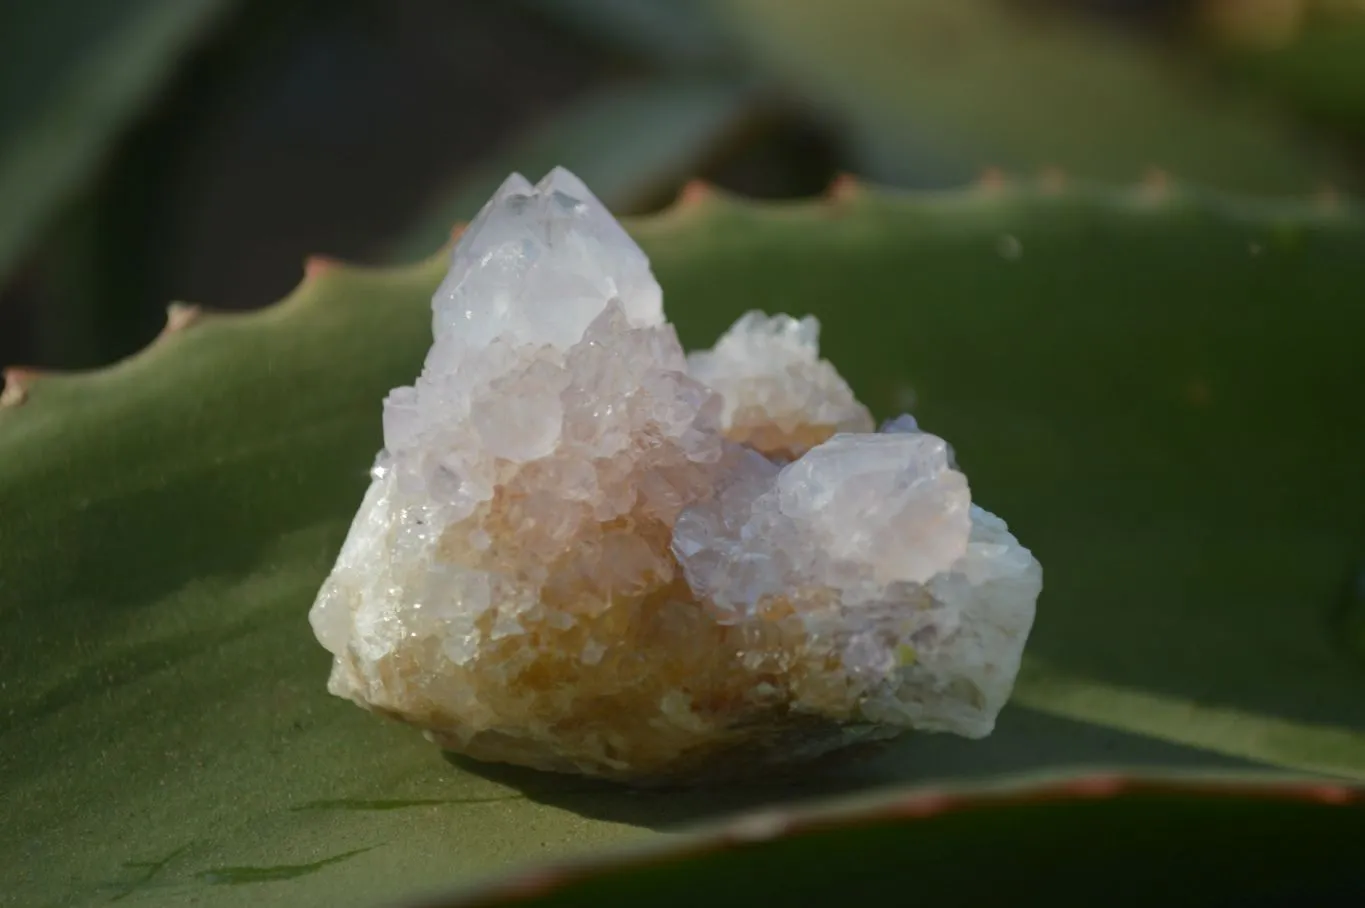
{"x": 583, "y": 551}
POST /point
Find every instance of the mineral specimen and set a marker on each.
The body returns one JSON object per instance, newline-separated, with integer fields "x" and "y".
{"x": 584, "y": 551}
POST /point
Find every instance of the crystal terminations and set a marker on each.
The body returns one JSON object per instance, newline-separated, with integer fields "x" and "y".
{"x": 585, "y": 551}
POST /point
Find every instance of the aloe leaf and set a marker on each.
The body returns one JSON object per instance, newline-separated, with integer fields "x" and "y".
{"x": 935, "y": 92}
{"x": 1320, "y": 73}
{"x": 1157, "y": 387}
{"x": 1089, "y": 840}
{"x": 72, "y": 74}
{"x": 632, "y": 143}
{"x": 672, "y": 33}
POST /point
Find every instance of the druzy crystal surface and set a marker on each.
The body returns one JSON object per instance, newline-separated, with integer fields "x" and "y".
{"x": 585, "y": 551}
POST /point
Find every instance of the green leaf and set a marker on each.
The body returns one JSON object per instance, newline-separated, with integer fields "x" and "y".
{"x": 1158, "y": 390}
{"x": 72, "y": 75}
{"x": 678, "y": 34}
{"x": 1083, "y": 841}
{"x": 936, "y": 92}
{"x": 1320, "y": 73}
{"x": 632, "y": 143}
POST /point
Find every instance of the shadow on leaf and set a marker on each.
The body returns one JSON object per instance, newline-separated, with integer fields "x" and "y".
{"x": 678, "y": 806}
{"x": 1023, "y": 741}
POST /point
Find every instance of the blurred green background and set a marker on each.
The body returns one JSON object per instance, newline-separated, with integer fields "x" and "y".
{"x": 198, "y": 150}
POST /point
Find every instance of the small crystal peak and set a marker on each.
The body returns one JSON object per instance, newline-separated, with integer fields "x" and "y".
{"x": 563, "y": 181}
